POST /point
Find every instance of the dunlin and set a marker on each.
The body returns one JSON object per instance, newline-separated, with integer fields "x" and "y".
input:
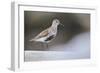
{"x": 48, "y": 34}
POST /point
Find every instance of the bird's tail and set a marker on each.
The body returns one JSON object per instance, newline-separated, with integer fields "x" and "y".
{"x": 32, "y": 40}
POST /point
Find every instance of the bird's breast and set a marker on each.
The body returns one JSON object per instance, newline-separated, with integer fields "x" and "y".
{"x": 53, "y": 30}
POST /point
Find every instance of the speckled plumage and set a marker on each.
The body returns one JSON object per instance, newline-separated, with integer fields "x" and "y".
{"x": 48, "y": 34}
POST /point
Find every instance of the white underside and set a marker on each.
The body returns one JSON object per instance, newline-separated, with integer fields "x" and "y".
{"x": 40, "y": 39}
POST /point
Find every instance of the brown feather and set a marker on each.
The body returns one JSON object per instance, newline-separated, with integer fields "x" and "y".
{"x": 42, "y": 34}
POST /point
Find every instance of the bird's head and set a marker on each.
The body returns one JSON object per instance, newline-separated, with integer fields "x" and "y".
{"x": 56, "y": 22}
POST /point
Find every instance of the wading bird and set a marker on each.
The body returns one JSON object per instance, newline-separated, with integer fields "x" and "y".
{"x": 48, "y": 34}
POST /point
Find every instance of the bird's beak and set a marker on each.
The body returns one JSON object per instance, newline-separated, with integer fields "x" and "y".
{"x": 62, "y": 24}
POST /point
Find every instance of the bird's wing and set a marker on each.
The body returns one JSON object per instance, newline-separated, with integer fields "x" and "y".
{"x": 42, "y": 34}
{"x": 50, "y": 38}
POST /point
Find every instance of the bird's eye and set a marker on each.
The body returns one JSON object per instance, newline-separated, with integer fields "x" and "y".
{"x": 56, "y": 21}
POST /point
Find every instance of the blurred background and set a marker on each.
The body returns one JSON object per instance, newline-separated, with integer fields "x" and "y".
{"x": 35, "y": 22}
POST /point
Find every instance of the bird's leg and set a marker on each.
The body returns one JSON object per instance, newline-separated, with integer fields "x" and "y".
{"x": 42, "y": 45}
{"x": 47, "y": 45}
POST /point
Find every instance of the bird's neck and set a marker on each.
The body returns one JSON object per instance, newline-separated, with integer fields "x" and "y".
{"x": 54, "y": 29}
{"x": 54, "y": 26}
